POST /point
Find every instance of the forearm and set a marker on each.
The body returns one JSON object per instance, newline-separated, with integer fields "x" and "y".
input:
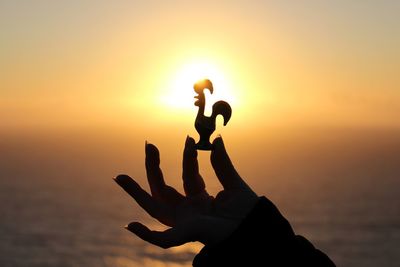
{"x": 266, "y": 237}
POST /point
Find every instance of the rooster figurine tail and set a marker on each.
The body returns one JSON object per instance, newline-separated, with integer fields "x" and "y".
{"x": 222, "y": 108}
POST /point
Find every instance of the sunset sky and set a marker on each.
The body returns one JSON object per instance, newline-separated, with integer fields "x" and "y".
{"x": 90, "y": 63}
{"x": 315, "y": 91}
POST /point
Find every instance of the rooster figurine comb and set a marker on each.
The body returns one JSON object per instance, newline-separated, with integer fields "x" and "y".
{"x": 204, "y": 125}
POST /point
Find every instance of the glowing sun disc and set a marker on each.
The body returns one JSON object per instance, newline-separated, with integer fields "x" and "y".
{"x": 181, "y": 93}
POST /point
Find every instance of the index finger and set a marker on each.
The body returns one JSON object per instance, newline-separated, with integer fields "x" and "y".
{"x": 158, "y": 210}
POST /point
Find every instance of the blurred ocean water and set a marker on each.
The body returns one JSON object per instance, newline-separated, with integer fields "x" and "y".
{"x": 59, "y": 206}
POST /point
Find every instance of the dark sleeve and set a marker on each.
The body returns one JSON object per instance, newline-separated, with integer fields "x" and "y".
{"x": 264, "y": 238}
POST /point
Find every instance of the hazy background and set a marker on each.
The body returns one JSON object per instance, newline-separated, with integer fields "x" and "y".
{"x": 315, "y": 92}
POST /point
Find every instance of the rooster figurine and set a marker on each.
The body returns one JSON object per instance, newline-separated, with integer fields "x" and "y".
{"x": 205, "y": 126}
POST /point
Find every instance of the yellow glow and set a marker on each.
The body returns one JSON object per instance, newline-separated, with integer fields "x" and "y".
{"x": 180, "y": 93}
{"x": 140, "y": 69}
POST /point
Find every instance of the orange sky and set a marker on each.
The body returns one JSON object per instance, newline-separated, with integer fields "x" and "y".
{"x": 82, "y": 64}
{"x": 314, "y": 87}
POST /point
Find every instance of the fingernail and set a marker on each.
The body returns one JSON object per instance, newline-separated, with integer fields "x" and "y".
{"x": 117, "y": 179}
{"x": 132, "y": 227}
{"x": 217, "y": 140}
{"x": 121, "y": 178}
{"x": 190, "y": 148}
{"x": 147, "y": 148}
{"x": 187, "y": 141}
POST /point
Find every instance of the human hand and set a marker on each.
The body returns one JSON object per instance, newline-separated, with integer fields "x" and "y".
{"x": 196, "y": 216}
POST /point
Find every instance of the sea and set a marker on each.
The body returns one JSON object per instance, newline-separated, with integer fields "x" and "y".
{"x": 60, "y": 207}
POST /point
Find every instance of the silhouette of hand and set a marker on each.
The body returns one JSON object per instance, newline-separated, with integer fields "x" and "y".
{"x": 196, "y": 216}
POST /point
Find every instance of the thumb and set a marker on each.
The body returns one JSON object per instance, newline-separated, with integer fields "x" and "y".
{"x": 223, "y": 166}
{"x": 169, "y": 238}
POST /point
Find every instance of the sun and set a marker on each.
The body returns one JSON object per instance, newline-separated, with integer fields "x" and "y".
{"x": 180, "y": 95}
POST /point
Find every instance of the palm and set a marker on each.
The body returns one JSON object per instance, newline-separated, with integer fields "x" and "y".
{"x": 196, "y": 216}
